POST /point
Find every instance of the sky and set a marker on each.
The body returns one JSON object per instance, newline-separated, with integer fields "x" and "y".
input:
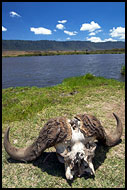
{"x": 64, "y": 21}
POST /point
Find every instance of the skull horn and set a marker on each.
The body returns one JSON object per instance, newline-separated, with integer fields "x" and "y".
{"x": 53, "y": 132}
{"x": 22, "y": 154}
{"x": 113, "y": 139}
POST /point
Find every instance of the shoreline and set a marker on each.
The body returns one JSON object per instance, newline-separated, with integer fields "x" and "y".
{"x": 17, "y": 53}
{"x": 68, "y": 88}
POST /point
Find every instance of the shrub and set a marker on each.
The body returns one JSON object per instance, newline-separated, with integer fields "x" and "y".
{"x": 123, "y": 70}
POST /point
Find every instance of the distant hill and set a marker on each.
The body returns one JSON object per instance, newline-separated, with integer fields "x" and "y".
{"x": 45, "y": 45}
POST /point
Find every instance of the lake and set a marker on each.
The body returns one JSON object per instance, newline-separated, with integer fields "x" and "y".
{"x": 42, "y": 71}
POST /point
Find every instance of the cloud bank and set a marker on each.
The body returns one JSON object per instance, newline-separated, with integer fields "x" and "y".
{"x": 98, "y": 39}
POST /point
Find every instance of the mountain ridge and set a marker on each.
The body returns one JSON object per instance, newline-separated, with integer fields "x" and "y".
{"x": 52, "y": 45}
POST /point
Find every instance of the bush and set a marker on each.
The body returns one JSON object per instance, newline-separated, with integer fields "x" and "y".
{"x": 89, "y": 76}
{"x": 123, "y": 70}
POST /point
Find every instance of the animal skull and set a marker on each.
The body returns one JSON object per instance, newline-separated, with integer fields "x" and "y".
{"x": 74, "y": 141}
{"x": 79, "y": 163}
{"x": 77, "y": 155}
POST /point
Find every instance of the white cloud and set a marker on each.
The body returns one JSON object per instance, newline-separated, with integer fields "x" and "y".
{"x": 92, "y": 34}
{"x": 110, "y": 39}
{"x": 118, "y": 32}
{"x": 97, "y": 31}
{"x": 60, "y": 26}
{"x": 40, "y": 30}
{"x": 14, "y": 14}
{"x": 4, "y": 29}
{"x": 98, "y": 39}
{"x": 54, "y": 30}
{"x": 68, "y": 38}
{"x": 90, "y": 27}
{"x": 94, "y": 39}
{"x": 70, "y": 33}
{"x": 62, "y": 21}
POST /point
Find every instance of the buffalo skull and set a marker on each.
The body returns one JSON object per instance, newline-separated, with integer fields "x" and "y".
{"x": 74, "y": 141}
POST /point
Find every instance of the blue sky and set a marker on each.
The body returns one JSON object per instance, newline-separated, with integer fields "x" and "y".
{"x": 62, "y": 21}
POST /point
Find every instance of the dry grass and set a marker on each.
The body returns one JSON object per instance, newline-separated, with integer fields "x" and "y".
{"x": 13, "y": 53}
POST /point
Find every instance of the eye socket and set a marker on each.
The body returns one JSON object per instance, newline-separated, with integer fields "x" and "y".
{"x": 89, "y": 157}
{"x": 81, "y": 154}
{"x": 90, "y": 145}
{"x": 69, "y": 148}
{"x": 85, "y": 164}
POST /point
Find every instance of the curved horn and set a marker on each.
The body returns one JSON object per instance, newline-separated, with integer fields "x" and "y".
{"x": 113, "y": 139}
{"x": 91, "y": 127}
{"x": 22, "y": 154}
{"x": 52, "y": 133}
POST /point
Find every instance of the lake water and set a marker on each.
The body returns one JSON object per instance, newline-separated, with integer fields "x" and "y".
{"x": 44, "y": 71}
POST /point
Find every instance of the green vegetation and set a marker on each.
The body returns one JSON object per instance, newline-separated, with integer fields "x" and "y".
{"x": 123, "y": 70}
{"x": 107, "y": 51}
{"x": 48, "y": 53}
{"x": 27, "y": 109}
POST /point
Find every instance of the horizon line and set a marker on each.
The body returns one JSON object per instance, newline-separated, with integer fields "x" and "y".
{"x": 61, "y": 40}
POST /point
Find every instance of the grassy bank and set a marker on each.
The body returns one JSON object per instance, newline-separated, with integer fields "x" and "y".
{"x": 26, "y": 110}
{"x": 48, "y": 53}
{"x": 123, "y": 70}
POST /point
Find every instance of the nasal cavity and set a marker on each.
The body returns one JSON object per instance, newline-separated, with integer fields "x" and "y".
{"x": 86, "y": 164}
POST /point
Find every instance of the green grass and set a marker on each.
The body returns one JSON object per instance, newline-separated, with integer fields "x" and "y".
{"x": 123, "y": 70}
{"x": 27, "y": 109}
